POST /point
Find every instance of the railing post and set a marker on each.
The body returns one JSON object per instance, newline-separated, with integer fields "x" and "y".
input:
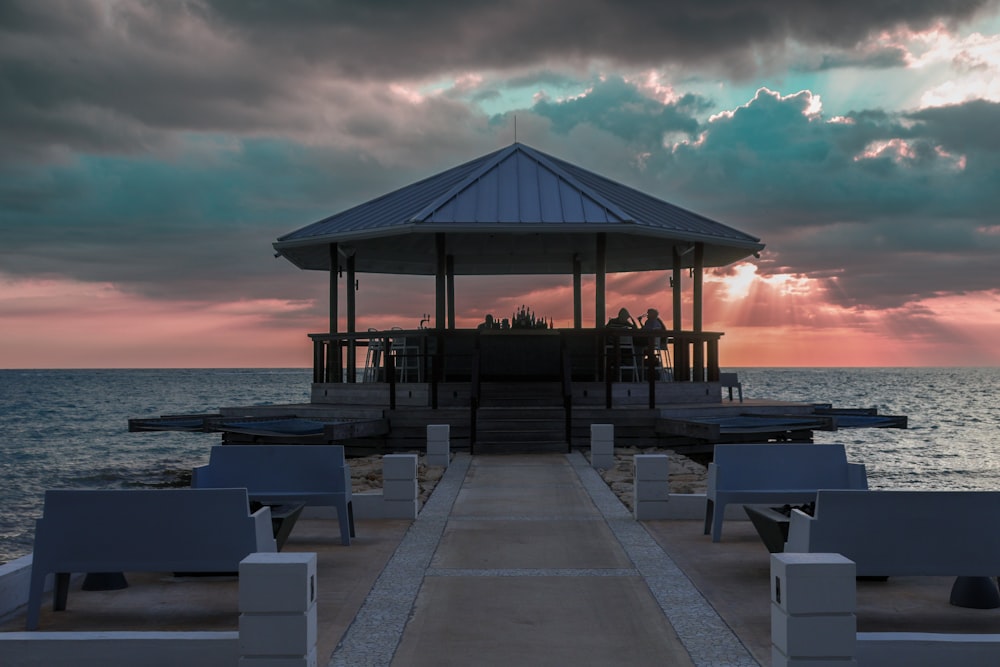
{"x": 609, "y": 369}
{"x": 649, "y": 361}
{"x": 390, "y": 376}
{"x": 435, "y": 369}
{"x": 334, "y": 361}
{"x": 318, "y": 357}
{"x": 473, "y": 396}
{"x": 713, "y": 360}
{"x": 682, "y": 360}
{"x": 699, "y": 360}
{"x": 567, "y": 389}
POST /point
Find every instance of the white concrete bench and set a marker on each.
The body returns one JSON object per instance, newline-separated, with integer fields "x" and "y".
{"x": 157, "y": 530}
{"x": 313, "y": 475}
{"x": 775, "y": 473}
{"x": 903, "y": 533}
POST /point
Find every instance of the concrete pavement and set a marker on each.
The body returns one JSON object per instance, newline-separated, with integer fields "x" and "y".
{"x": 532, "y": 560}
{"x": 522, "y": 560}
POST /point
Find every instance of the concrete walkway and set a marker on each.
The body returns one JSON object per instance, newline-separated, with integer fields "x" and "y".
{"x": 532, "y": 560}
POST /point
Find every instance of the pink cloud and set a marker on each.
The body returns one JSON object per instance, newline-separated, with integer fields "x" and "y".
{"x": 767, "y": 321}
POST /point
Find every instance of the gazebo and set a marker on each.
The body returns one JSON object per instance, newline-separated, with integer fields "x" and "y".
{"x": 514, "y": 211}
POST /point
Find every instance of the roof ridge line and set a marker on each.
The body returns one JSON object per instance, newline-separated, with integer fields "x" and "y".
{"x": 537, "y": 156}
{"x": 545, "y": 159}
{"x": 454, "y": 191}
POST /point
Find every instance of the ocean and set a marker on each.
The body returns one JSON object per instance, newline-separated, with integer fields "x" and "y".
{"x": 69, "y": 428}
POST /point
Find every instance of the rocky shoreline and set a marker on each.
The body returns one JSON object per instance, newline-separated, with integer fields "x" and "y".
{"x": 686, "y": 475}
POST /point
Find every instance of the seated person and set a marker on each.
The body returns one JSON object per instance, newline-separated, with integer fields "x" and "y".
{"x": 622, "y": 321}
{"x": 653, "y": 320}
{"x": 653, "y": 323}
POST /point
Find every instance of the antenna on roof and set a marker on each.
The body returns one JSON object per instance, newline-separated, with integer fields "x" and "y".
{"x": 515, "y": 128}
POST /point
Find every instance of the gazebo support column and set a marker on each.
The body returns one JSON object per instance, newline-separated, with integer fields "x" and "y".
{"x": 332, "y": 362}
{"x": 450, "y": 270}
{"x": 601, "y": 274}
{"x": 577, "y": 293}
{"x": 699, "y": 275}
{"x": 440, "y": 292}
{"x": 352, "y": 366}
{"x": 675, "y": 284}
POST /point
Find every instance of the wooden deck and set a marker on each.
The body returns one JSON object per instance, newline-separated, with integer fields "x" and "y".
{"x": 522, "y": 416}
{"x": 531, "y": 417}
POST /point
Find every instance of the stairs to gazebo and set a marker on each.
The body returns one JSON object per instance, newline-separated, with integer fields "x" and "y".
{"x": 520, "y": 429}
{"x": 520, "y": 417}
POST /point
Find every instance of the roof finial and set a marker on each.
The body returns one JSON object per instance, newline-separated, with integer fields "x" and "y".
{"x": 515, "y": 128}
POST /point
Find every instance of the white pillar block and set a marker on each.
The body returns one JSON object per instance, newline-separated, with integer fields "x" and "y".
{"x": 399, "y": 466}
{"x": 813, "y": 635}
{"x": 278, "y": 609}
{"x": 650, "y": 487}
{"x": 277, "y": 582}
{"x": 602, "y": 433}
{"x": 813, "y": 601}
{"x": 813, "y": 583}
{"x": 438, "y": 445}
{"x": 278, "y": 634}
{"x": 602, "y": 446}
{"x": 399, "y": 489}
{"x": 438, "y": 432}
{"x": 651, "y": 466}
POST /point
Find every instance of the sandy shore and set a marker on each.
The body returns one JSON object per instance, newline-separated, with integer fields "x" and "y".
{"x": 686, "y": 476}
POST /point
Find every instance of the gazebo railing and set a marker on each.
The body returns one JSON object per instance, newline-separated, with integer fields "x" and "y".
{"x": 433, "y": 356}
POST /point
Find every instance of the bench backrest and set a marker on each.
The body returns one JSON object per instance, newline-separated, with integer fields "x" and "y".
{"x": 83, "y": 530}
{"x": 905, "y": 532}
{"x": 729, "y": 379}
{"x": 781, "y": 466}
{"x": 268, "y": 468}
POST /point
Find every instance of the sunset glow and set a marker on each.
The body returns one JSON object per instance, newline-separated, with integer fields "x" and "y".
{"x": 145, "y": 178}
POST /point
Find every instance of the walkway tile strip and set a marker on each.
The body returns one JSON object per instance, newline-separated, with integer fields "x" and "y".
{"x": 707, "y": 638}
{"x": 378, "y": 628}
{"x": 374, "y": 635}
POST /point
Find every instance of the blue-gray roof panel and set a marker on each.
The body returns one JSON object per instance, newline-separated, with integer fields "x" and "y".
{"x": 501, "y": 193}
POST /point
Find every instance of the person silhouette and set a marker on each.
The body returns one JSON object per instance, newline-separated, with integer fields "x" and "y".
{"x": 622, "y": 321}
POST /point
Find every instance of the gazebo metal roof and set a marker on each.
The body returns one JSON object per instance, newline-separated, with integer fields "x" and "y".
{"x": 515, "y": 211}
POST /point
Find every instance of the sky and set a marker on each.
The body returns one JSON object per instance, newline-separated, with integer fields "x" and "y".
{"x": 151, "y": 153}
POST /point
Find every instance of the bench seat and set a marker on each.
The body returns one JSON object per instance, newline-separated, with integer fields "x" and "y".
{"x": 313, "y": 475}
{"x": 148, "y": 530}
{"x": 903, "y": 532}
{"x": 757, "y": 473}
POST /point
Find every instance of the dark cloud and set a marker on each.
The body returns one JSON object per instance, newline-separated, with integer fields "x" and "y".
{"x": 893, "y": 226}
{"x": 621, "y": 109}
{"x": 93, "y": 76}
{"x": 971, "y": 126}
{"x": 393, "y": 39}
{"x": 162, "y": 147}
{"x": 883, "y": 58}
{"x": 889, "y": 207}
